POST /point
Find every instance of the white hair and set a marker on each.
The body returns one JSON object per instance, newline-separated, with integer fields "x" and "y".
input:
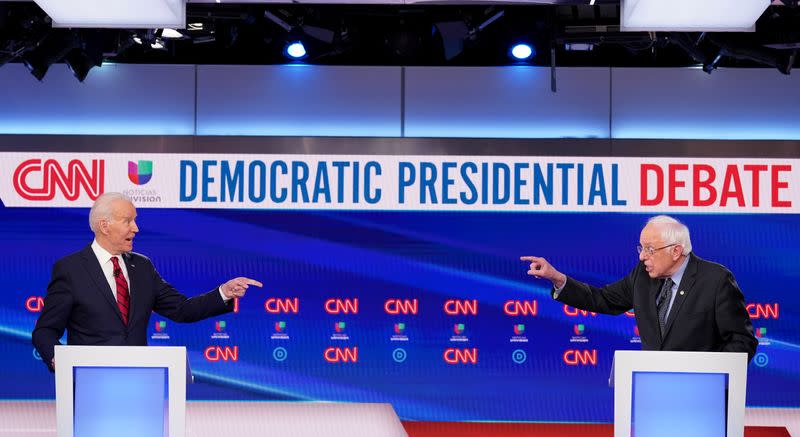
{"x": 673, "y": 232}
{"x": 102, "y": 208}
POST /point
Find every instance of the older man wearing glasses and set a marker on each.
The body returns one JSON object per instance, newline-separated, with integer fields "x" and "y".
{"x": 681, "y": 302}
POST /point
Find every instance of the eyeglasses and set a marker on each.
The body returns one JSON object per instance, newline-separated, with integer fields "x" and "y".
{"x": 650, "y": 251}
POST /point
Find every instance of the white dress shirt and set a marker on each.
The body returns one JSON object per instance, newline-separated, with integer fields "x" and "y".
{"x": 104, "y": 258}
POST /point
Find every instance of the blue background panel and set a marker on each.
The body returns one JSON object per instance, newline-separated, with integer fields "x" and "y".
{"x": 428, "y": 256}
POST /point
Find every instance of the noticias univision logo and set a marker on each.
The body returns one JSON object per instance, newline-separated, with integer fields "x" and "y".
{"x": 636, "y": 338}
{"x": 220, "y": 330}
{"x": 578, "y": 329}
{"x": 280, "y": 331}
{"x": 458, "y": 330}
{"x": 161, "y": 331}
{"x": 761, "y": 333}
{"x": 519, "y": 334}
{"x": 339, "y": 334}
{"x": 399, "y": 332}
{"x": 140, "y": 172}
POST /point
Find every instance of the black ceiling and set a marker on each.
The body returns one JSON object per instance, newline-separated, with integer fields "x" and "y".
{"x": 474, "y": 35}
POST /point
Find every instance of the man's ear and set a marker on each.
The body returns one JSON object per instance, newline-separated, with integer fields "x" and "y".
{"x": 102, "y": 226}
{"x": 677, "y": 251}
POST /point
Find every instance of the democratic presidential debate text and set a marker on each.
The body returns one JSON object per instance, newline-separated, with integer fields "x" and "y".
{"x": 408, "y": 183}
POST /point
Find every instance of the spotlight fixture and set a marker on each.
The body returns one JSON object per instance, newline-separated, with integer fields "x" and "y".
{"x": 80, "y": 62}
{"x": 296, "y": 50}
{"x": 690, "y": 15}
{"x": 169, "y": 33}
{"x": 50, "y": 50}
{"x": 522, "y": 51}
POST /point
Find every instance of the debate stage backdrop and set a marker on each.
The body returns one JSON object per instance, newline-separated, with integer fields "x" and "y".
{"x": 393, "y": 278}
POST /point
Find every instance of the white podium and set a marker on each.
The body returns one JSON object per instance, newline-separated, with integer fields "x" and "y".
{"x": 120, "y": 391}
{"x": 687, "y": 394}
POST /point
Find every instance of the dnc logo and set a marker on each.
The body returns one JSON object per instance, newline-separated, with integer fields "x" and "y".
{"x": 141, "y": 172}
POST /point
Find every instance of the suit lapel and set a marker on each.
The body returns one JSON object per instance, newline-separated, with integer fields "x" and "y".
{"x": 131, "y": 294}
{"x": 101, "y": 284}
{"x": 684, "y": 288}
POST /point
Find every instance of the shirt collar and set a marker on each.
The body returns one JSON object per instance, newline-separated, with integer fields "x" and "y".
{"x": 678, "y": 275}
{"x": 102, "y": 255}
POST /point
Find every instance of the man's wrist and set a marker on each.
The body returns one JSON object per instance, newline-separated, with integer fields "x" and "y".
{"x": 560, "y": 282}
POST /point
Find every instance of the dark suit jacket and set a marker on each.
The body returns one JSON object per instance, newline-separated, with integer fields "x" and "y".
{"x": 80, "y": 300}
{"x": 710, "y": 315}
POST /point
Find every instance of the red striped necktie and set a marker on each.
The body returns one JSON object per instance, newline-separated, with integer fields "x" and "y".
{"x": 123, "y": 298}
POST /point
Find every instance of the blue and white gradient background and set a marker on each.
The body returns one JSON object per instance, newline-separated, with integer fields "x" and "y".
{"x": 428, "y": 256}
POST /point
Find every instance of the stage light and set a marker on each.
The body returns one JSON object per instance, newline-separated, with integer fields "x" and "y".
{"x": 453, "y": 34}
{"x": 171, "y": 33}
{"x": 690, "y": 15}
{"x": 522, "y": 51}
{"x": 115, "y": 13}
{"x": 80, "y": 63}
{"x": 712, "y": 63}
{"x": 296, "y": 50}
{"x": 52, "y": 49}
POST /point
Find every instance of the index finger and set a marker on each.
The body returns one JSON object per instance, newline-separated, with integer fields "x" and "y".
{"x": 530, "y": 258}
{"x": 249, "y": 281}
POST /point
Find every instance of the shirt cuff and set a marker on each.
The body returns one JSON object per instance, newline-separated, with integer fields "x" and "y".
{"x": 557, "y": 291}
{"x": 224, "y": 298}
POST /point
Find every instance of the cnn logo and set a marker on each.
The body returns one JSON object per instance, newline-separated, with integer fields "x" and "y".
{"x": 763, "y": 310}
{"x": 219, "y": 353}
{"x": 461, "y": 356}
{"x": 341, "y": 355}
{"x": 397, "y": 306}
{"x": 40, "y": 181}
{"x": 341, "y": 306}
{"x": 34, "y": 304}
{"x": 521, "y": 308}
{"x": 456, "y": 307}
{"x": 575, "y": 357}
{"x": 574, "y": 312}
{"x": 282, "y": 306}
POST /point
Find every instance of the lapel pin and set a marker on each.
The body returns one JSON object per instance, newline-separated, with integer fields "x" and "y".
{"x": 682, "y": 292}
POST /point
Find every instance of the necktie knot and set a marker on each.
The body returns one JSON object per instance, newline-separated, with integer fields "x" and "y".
{"x": 117, "y": 269}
